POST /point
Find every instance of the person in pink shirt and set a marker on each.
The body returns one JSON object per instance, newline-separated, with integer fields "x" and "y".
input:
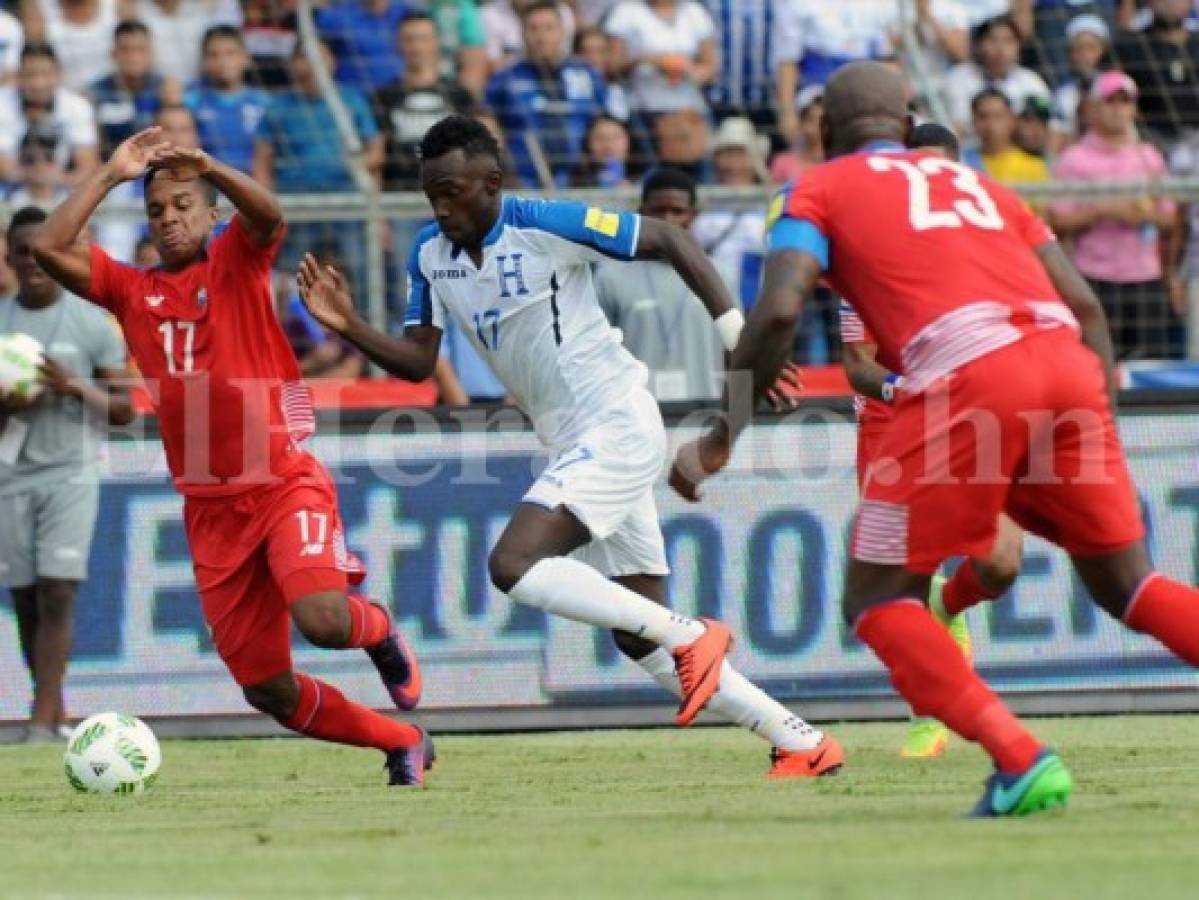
{"x": 1118, "y": 242}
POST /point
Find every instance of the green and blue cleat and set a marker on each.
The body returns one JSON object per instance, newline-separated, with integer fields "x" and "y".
{"x": 1046, "y": 784}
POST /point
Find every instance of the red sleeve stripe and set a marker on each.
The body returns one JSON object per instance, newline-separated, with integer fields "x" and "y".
{"x": 852, "y": 329}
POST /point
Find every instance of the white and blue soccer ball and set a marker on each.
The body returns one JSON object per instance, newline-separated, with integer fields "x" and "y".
{"x": 20, "y": 357}
{"x": 112, "y": 753}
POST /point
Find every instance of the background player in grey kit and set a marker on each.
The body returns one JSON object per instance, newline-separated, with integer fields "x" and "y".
{"x": 49, "y": 481}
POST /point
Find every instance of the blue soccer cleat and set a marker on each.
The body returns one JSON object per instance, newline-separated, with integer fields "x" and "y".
{"x": 1046, "y": 784}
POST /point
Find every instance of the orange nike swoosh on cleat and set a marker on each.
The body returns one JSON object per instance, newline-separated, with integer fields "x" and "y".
{"x": 699, "y": 664}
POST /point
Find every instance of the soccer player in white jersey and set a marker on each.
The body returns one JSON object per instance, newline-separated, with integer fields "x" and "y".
{"x": 585, "y": 543}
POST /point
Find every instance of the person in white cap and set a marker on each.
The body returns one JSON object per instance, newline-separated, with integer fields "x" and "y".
{"x": 1088, "y": 39}
{"x": 735, "y": 240}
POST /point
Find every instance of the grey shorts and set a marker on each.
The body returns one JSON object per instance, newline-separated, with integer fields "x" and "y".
{"x": 46, "y": 532}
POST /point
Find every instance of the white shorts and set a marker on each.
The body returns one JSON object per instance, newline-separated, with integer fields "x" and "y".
{"x": 607, "y": 481}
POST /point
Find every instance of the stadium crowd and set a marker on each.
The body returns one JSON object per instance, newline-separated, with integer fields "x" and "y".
{"x": 598, "y": 93}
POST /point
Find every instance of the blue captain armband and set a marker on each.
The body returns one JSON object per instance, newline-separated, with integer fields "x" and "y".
{"x": 802, "y": 235}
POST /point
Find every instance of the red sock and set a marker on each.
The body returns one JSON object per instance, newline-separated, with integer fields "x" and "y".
{"x": 1168, "y": 611}
{"x": 964, "y": 589}
{"x": 930, "y": 672}
{"x": 324, "y": 712}
{"x": 369, "y": 624}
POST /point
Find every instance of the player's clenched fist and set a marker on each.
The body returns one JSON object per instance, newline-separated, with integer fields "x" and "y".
{"x": 698, "y": 461}
{"x": 326, "y": 294}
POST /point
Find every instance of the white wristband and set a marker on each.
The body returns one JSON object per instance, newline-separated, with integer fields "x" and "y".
{"x": 729, "y": 326}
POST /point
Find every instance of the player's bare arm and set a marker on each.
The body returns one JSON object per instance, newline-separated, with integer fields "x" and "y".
{"x": 764, "y": 350}
{"x": 327, "y": 295}
{"x": 1082, "y": 301}
{"x": 255, "y": 205}
{"x": 865, "y": 375}
{"x": 57, "y": 246}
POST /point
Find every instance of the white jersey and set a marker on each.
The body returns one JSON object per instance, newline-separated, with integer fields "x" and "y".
{"x": 531, "y": 309}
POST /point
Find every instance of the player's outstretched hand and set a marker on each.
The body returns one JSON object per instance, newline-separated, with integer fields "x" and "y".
{"x": 781, "y": 394}
{"x": 132, "y": 157}
{"x": 326, "y": 294}
{"x": 698, "y": 461}
{"x": 181, "y": 163}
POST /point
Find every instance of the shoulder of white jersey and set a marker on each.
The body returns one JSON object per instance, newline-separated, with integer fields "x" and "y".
{"x": 425, "y": 236}
{"x": 613, "y": 234}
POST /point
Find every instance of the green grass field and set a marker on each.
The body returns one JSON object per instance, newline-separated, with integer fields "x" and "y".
{"x": 626, "y": 814}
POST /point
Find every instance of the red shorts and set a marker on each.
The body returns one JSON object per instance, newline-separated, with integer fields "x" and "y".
{"x": 870, "y": 437}
{"x": 1025, "y": 430}
{"x": 256, "y": 553}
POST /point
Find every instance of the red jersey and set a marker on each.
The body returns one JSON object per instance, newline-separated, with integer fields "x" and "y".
{"x": 223, "y": 379}
{"x": 937, "y": 259}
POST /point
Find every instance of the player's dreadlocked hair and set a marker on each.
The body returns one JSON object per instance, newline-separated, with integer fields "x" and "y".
{"x": 460, "y": 133}
{"x": 26, "y": 215}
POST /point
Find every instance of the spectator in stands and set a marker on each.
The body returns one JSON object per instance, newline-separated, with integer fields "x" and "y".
{"x": 462, "y": 42}
{"x": 942, "y": 30}
{"x": 808, "y": 148}
{"x": 996, "y": 47}
{"x": 605, "y": 162}
{"x": 744, "y": 85}
{"x": 546, "y": 102}
{"x": 178, "y": 126}
{"x": 409, "y": 107}
{"x": 81, "y": 33}
{"x": 1164, "y": 62}
{"x": 593, "y": 46}
{"x": 1118, "y": 242}
{"x": 270, "y": 32}
{"x": 128, "y": 100}
{"x": 12, "y": 39}
{"x": 736, "y": 240}
{"x": 502, "y": 20}
{"x": 661, "y": 321}
{"x": 227, "y": 110}
{"x": 996, "y": 151}
{"x": 38, "y": 97}
{"x": 299, "y": 149}
{"x": 8, "y": 278}
{"x": 362, "y": 35}
{"x": 812, "y": 40}
{"x": 667, "y": 49}
{"x": 1042, "y": 22}
{"x": 1033, "y": 134}
{"x": 43, "y": 180}
{"x": 178, "y": 28}
{"x": 1088, "y": 39}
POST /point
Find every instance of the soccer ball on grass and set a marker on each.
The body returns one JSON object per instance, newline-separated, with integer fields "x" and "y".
{"x": 20, "y": 356}
{"x": 112, "y": 753}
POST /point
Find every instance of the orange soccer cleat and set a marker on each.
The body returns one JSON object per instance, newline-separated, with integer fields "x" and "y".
{"x": 698, "y": 665}
{"x": 826, "y": 758}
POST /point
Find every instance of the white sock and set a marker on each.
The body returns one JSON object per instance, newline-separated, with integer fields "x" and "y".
{"x": 574, "y": 590}
{"x": 742, "y": 702}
